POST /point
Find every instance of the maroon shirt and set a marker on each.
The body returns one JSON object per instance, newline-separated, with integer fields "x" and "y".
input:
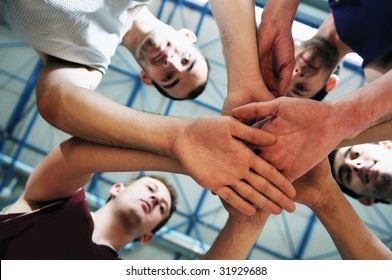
{"x": 60, "y": 231}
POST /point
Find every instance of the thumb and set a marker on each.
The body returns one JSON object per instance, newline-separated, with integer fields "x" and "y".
{"x": 252, "y": 135}
{"x": 256, "y": 110}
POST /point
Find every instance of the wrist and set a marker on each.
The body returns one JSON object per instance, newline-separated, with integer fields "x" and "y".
{"x": 246, "y": 225}
{"x": 274, "y": 11}
{"x": 328, "y": 199}
{"x": 347, "y": 119}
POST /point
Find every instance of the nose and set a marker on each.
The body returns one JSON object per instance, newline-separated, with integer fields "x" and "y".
{"x": 176, "y": 60}
{"x": 356, "y": 165}
{"x": 154, "y": 200}
{"x": 298, "y": 72}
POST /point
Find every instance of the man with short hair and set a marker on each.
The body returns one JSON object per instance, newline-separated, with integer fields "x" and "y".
{"x": 51, "y": 219}
{"x": 364, "y": 171}
{"x": 316, "y": 68}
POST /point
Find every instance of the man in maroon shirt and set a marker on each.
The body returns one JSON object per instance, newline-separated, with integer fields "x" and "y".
{"x": 51, "y": 219}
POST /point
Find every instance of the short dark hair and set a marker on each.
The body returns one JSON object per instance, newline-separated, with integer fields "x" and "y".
{"x": 345, "y": 189}
{"x": 191, "y": 95}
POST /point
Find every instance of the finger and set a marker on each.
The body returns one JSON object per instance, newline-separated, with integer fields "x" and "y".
{"x": 232, "y": 198}
{"x": 271, "y": 192}
{"x": 258, "y": 199}
{"x": 252, "y": 134}
{"x": 270, "y": 173}
{"x": 255, "y": 110}
{"x": 286, "y": 76}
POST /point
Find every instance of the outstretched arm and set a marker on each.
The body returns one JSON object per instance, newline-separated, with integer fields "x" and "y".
{"x": 70, "y": 166}
{"x": 319, "y": 191}
{"x": 237, "y": 26}
{"x": 308, "y": 130}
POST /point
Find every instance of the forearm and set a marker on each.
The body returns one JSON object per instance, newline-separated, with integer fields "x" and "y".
{"x": 280, "y": 12}
{"x": 70, "y": 166}
{"x": 237, "y": 26}
{"x": 343, "y": 224}
{"x": 382, "y": 131}
{"x": 235, "y": 240}
{"x": 363, "y": 108}
{"x": 70, "y": 106}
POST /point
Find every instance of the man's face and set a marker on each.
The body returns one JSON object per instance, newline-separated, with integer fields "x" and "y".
{"x": 143, "y": 204}
{"x": 170, "y": 58}
{"x": 309, "y": 75}
{"x": 365, "y": 169}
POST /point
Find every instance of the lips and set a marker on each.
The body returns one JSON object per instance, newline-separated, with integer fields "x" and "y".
{"x": 147, "y": 206}
{"x": 366, "y": 173}
{"x": 160, "y": 55}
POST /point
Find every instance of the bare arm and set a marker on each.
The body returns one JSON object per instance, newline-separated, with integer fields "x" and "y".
{"x": 319, "y": 191}
{"x": 238, "y": 236}
{"x": 237, "y": 26}
{"x": 70, "y": 166}
{"x": 297, "y": 122}
{"x": 66, "y": 99}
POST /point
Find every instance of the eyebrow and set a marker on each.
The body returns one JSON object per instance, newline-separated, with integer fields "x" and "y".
{"x": 341, "y": 169}
{"x": 175, "y": 82}
{"x": 346, "y": 152}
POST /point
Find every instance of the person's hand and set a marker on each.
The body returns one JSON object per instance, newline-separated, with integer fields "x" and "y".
{"x": 305, "y": 130}
{"x": 211, "y": 150}
{"x": 310, "y": 186}
{"x": 276, "y": 54}
{"x": 256, "y": 220}
{"x": 240, "y": 94}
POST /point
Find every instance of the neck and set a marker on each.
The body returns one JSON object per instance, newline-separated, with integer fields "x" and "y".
{"x": 139, "y": 24}
{"x": 109, "y": 231}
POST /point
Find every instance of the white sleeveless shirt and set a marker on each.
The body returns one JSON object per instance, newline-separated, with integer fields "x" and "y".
{"x": 81, "y": 31}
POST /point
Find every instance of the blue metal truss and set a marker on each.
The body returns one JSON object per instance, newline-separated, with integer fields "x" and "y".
{"x": 193, "y": 219}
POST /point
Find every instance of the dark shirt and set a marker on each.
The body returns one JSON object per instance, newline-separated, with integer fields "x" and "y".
{"x": 61, "y": 231}
{"x": 365, "y": 26}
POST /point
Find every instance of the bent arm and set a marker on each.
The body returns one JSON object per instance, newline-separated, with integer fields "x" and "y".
{"x": 66, "y": 99}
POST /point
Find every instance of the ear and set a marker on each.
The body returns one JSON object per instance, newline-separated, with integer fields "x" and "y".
{"x": 146, "y": 238}
{"x": 332, "y": 82}
{"x": 386, "y": 144}
{"x": 145, "y": 78}
{"x": 188, "y": 34}
{"x": 366, "y": 201}
{"x": 116, "y": 189}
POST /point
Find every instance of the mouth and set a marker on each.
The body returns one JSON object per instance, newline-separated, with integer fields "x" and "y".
{"x": 147, "y": 206}
{"x": 367, "y": 173}
{"x": 161, "y": 55}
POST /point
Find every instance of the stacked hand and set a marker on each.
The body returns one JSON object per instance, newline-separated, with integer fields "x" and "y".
{"x": 306, "y": 131}
{"x": 212, "y": 151}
